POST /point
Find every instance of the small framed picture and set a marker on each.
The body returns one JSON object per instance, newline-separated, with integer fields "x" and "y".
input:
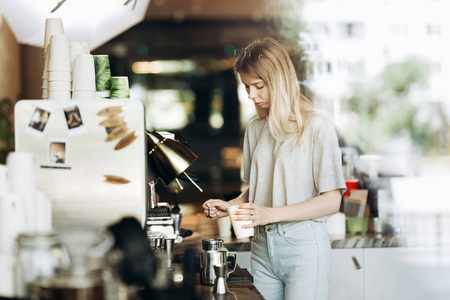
{"x": 74, "y": 120}
{"x": 39, "y": 121}
{"x": 57, "y": 152}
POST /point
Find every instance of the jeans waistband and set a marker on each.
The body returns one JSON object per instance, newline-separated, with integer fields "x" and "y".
{"x": 281, "y": 227}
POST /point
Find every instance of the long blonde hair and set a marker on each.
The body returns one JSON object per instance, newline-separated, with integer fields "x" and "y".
{"x": 289, "y": 110}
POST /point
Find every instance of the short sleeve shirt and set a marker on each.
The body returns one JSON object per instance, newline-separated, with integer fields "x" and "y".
{"x": 280, "y": 174}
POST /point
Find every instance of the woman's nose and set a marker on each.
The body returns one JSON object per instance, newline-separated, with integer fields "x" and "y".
{"x": 251, "y": 93}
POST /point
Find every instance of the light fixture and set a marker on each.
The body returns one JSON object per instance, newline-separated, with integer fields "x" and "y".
{"x": 93, "y": 22}
{"x": 168, "y": 159}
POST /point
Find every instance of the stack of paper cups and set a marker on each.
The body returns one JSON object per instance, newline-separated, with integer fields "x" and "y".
{"x": 76, "y": 47}
{"x": 59, "y": 82}
{"x": 102, "y": 76}
{"x": 22, "y": 183}
{"x": 119, "y": 87}
{"x": 53, "y": 26}
{"x": 84, "y": 77}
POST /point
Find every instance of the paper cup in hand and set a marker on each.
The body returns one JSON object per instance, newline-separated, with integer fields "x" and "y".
{"x": 237, "y": 225}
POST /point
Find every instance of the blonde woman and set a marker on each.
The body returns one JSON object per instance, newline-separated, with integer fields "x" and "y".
{"x": 292, "y": 162}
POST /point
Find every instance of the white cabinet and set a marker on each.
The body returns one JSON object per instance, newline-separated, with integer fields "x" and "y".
{"x": 406, "y": 273}
{"x": 409, "y": 273}
{"x": 347, "y": 274}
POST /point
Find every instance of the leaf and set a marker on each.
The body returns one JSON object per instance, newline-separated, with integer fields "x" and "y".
{"x": 117, "y": 133}
{"x": 113, "y": 122}
{"x": 110, "y": 111}
{"x": 125, "y": 141}
{"x": 116, "y": 179}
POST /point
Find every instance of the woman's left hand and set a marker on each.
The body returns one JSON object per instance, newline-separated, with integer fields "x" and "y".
{"x": 260, "y": 215}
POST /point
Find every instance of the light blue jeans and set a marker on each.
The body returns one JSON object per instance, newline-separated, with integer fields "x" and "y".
{"x": 292, "y": 261}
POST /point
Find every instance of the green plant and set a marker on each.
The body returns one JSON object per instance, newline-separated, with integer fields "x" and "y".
{"x": 384, "y": 109}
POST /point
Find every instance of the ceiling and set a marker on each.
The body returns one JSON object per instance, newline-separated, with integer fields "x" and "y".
{"x": 177, "y": 29}
{"x": 179, "y": 10}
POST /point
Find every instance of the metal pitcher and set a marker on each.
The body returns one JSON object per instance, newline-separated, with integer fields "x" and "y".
{"x": 210, "y": 258}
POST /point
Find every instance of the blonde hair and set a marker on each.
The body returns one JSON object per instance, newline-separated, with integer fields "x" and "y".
{"x": 289, "y": 110}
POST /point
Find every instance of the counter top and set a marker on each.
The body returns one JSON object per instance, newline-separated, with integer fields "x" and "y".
{"x": 239, "y": 287}
{"x": 205, "y": 229}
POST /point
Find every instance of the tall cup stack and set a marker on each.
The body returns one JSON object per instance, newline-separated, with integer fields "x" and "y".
{"x": 59, "y": 73}
{"x": 53, "y": 26}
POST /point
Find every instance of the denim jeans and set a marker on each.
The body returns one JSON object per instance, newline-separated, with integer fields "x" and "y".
{"x": 292, "y": 261}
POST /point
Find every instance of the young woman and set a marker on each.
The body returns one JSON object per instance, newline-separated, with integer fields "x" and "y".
{"x": 292, "y": 162}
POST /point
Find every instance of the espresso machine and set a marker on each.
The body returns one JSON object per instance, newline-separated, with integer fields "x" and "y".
{"x": 168, "y": 160}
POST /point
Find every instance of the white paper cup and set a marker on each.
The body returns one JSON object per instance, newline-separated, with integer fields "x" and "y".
{"x": 237, "y": 225}
{"x": 59, "y": 54}
{"x": 76, "y": 48}
{"x": 58, "y": 76}
{"x": 45, "y": 83}
{"x": 224, "y": 226}
{"x": 84, "y": 95}
{"x": 59, "y": 85}
{"x": 84, "y": 73}
{"x": 53, "y": 26}
{"x": 58, "y": 95}
{"x": 120, "y": 87}
{"x": 335, "y": 225}
{"x": 45, "y": 71}
{"x": 21, "y": 172}
{"x": 45, "y": 93}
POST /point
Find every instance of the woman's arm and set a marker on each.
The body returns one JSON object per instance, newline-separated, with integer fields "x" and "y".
{"x": 319, "y": 206}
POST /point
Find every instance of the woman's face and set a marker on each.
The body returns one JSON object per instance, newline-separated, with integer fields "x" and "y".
{"x": 257, "y": 90}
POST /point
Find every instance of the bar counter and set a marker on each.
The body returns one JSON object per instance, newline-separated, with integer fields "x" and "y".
{"x": 240, "y": 282}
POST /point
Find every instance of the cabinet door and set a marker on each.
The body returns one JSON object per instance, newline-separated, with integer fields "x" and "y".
{"x": 347, "y": 280}
{"x": 406, "y": 273}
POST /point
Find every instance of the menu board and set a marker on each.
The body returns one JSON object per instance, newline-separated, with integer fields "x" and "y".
{"x": 90, "y": 157}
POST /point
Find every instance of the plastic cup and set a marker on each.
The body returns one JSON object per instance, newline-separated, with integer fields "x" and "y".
{"x": 84, "y": 73}
{"x": 357, "y": 225}
{"x": 102, "y": 73}
{"x": 59, "y": 85}
{"x": 58, "y": 95}
{"x": 352, "y": 184}
{"x": 237, "y": 225}
{"x": 119, "y": 87}
{"x": 53, "y": 26}
{"x": 83, "y": 95}
{"x": 59, "y": 55}
{"x": 58, "y": 76}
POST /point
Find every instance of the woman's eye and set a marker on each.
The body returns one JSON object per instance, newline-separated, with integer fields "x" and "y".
{"x": 259, "y": 87}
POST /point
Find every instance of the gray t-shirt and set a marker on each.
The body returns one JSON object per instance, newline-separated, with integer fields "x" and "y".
{"x": 280, "y": 174}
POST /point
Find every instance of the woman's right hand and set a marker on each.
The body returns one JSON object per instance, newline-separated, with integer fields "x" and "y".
{"x": 216, "y": 208}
